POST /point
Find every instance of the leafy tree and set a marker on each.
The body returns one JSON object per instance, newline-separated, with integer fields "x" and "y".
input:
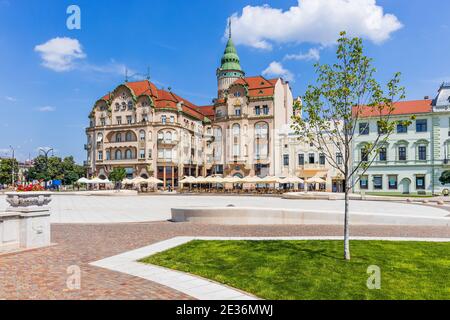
{"x": 54, "y": 168}
{"x": 445, "y": 177}
{"x": 71, "y": 171}
{"x": 333, "y": 106}
{"x": 6, "y": 169}
{"x": 117, "y": 175}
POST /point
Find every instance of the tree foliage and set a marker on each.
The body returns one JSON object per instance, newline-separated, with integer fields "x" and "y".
{"x": 117, "y": 174}
{"x": 55, "y": 168}
{"x": 6, "y": 166}
{"x": 445, "y": 177}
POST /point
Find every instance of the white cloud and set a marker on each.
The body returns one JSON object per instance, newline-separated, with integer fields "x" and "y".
{"x": 60, "y": 54}
{"x": 46, "y": 109}
{"x": 276, "y": 69}
{"x": 313, "y": 21}
{"x": 313, "y": 54}
{"x": 10, "y": 99}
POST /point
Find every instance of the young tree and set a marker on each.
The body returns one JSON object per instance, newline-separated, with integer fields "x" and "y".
{"x": 117, "y": 175}
{"x": 333, "y": 106}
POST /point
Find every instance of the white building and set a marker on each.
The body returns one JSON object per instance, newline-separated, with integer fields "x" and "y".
{"x": 415, "y": 156}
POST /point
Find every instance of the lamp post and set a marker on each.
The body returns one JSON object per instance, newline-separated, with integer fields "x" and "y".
{"x": 46, "y": 151}
{"x": 13, "y": 181}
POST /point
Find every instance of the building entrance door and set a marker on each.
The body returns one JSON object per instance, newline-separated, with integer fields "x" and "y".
{"x": 406, "y": 186}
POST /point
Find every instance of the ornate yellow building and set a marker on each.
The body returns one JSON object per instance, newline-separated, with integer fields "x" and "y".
{"x": 154, "y": 132}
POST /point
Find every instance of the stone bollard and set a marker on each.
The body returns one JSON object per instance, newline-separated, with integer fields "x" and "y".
{"x": 409, "y": 200}
{"x": 441, "y": 202}
{"x": 425, "y": 201}
{"x": 28, "y": 217}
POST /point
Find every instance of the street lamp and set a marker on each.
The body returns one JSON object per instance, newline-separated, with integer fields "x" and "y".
{"x": 13, "y": 181}
{"x": 46, "y": 151}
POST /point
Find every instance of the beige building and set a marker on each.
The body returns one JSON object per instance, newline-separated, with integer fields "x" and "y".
{"x": 304, "y": 160}
{"x": 154, "y": 132}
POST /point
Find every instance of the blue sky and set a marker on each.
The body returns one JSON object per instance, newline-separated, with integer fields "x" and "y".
{"x": 47, "y": 104}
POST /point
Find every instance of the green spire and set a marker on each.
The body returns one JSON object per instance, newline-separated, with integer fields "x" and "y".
{"x": 230, "y": 58}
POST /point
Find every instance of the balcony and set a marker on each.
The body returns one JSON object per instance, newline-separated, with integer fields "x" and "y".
{"x": 312, "y": 166}
{"x": 167, "y": 161}
{"x": 121, "y": 161}
{"x": 122, "y": 144}
{"x": 168, "y": 143}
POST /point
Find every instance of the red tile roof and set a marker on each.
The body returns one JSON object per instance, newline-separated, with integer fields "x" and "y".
{"x": 258, "y": 86}
{"x": 164, "y": 99}
{"x": 207, "y": 110}
{"x": 400, "y": 108}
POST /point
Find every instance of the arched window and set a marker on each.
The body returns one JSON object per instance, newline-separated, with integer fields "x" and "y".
{"x": 130, "y": 105}
{"x": 261, "y": 140}
{"x": 129, "y": 136}
{"x": 128, "y": 154}
{"x": 168, "y": 136}
{"x": 142, "y": 135}
{"x": 118, "y": 137}
{"x": 118, "y": 155}
{"x": 218, "y": 133}
{"x": 236, "y": 129}
{"x": 262, "y": 130}
{"x": 117, "y": 106}
{"x": 124, "y": 106}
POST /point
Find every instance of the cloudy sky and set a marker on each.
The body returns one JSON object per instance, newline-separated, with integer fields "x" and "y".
{"x": 50, "y": 76}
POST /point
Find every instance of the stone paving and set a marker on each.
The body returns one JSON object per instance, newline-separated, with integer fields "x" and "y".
{"x": 42, "y": 274}
{"x": 120, "y": 209}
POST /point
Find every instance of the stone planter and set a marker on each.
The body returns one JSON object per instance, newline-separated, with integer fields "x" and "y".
{"x": 28, "y": 201}
{"x": 26, "y": 222}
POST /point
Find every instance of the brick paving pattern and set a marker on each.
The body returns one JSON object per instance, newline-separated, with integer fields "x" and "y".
{"x": 42, "y": 274}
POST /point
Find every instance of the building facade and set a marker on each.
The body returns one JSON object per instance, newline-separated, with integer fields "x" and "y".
{"x": 414, "y": 156}
{"x": 154, "y": 132}
{"x": 304, "y": 160}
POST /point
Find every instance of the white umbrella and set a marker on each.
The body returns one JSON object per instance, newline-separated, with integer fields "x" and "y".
{"x": 210, "y": 179}
{"x": 187, "y": 180}
{"x": 231, "y": 179}
{"x": 200, "y": 180}
{"x": 153, "y": 180}
{"x": 127, "y": 181}
{"x": 252, "y": 179}
{"x": 139, "y": 180}
{"x": 315, "y": 180}
{"x": 294, "y": 180}
{"x": 83, "y": 180}
{"x": 270, "y": 179}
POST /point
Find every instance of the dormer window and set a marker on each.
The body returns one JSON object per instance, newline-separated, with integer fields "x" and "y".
{"x": 261, "y": 92}
{"x": 237, "y": 94}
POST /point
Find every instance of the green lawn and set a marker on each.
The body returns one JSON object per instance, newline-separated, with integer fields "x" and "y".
{"x": 315, "y": 269}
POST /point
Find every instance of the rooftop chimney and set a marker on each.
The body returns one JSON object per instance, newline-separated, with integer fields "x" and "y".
{"x": 426, "y": 98}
